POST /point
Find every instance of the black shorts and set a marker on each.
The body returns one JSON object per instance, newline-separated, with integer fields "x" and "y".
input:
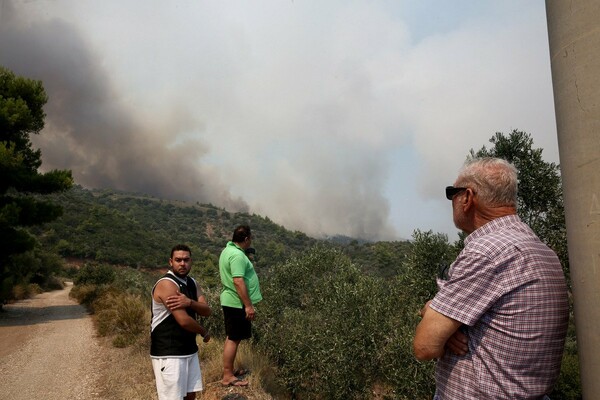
{"x": 237, "y": 327}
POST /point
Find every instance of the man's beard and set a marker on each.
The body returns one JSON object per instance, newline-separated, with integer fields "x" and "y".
{"x": 177, "y": 274}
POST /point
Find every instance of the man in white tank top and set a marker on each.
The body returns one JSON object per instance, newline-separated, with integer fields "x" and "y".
{"x": 177, "y": 301}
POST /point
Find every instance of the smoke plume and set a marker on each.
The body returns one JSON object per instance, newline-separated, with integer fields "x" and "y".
{"x": 92, "y": 130}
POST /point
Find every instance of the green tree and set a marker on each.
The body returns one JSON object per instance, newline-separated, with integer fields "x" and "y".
{"x": 429, "y": 258}
{"x": 21, "y": 185}
{"x": 540, "y": 197}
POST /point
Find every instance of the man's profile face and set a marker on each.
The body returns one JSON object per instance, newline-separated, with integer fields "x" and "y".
{"x": 181, "y": 263}
{"x": 457, "y": 213}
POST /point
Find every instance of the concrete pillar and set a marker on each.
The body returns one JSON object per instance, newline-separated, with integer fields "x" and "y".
{"x": 574, "y": 38}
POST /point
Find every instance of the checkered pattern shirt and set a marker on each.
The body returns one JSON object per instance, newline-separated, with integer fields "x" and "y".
{"x": 509, "y": 291}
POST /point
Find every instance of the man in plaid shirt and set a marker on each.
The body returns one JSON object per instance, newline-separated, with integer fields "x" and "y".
{"x": 498, "y": 322}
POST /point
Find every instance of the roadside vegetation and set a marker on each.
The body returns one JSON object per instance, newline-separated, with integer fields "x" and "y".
{"x": 326, "y": 331}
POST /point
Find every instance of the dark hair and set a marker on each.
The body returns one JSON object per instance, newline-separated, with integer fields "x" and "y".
{"x": 241, "y": 233}
{"x": 180, "y": 247}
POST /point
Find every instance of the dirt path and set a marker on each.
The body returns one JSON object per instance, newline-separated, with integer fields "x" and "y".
{"x": 48, "y": 349}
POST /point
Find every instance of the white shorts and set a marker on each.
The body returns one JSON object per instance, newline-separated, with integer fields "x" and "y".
{"x": 176, "y": 377}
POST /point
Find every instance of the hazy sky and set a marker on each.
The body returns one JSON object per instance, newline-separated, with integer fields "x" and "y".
{"x": 329, "y": 117}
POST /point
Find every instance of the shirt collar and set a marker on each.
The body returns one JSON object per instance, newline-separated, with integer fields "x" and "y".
{"x": 492, "y": 226}
{"x": 236, "y": 245}
{"x": 184, "y": 281}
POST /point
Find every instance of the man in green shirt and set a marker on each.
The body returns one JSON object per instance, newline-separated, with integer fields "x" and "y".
{"x": 241, "y": 290}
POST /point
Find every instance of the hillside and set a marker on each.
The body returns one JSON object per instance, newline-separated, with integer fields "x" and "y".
{"x": 138, "y": 230}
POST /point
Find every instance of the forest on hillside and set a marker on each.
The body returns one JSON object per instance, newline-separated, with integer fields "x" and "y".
{"x": 138, "y": 230}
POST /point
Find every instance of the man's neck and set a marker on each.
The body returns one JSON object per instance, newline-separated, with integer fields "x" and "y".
{"x": 242, "y": 245}
{"x": 183, "y": 279}
{"x": 483, "y": 216}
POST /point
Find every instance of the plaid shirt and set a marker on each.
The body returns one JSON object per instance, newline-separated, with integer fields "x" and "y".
{"x": 509, "y": 291}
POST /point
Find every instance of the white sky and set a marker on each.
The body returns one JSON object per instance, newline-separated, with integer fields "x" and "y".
{"x": 329, "y": 117}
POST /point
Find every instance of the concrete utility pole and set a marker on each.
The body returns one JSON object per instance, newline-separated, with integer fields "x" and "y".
{"x": 574, "y": 37}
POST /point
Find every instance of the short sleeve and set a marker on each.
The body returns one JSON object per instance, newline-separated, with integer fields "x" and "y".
{"x": 472, "y": 288}
{"x": 238, "y": 265}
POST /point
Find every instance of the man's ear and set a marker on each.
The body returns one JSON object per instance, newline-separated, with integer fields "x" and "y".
{"x": 468, "y": 200}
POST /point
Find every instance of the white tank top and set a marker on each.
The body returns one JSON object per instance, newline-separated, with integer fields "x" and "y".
{"x": 159, "y": 311}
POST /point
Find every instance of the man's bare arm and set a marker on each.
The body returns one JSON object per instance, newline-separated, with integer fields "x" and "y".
{"x": 432, "y": 333}
{"x": 181, "y": 301}
{"x": 164, "y": 290}
{"x": 242, "y": 291}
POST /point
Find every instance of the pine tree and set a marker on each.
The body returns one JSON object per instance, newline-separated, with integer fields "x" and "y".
{"x": 22, "y": 187}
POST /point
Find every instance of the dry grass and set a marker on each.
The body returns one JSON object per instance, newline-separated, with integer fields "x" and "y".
{"x": 127, "y": 373}
{"x": 261, "y": 377}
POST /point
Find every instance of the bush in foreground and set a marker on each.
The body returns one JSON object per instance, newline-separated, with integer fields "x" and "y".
{"x": 336, "y": 333}
{"x": 123, "y": 316}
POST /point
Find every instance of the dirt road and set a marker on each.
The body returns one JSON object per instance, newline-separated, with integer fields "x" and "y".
{"x": 48, "y": 350}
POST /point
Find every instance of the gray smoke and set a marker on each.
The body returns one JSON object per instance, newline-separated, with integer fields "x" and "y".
{"x": 303, "y": 172}
{"x": 92, "y": 131}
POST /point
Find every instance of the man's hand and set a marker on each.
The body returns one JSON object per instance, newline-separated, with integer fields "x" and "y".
{"x": 250, "y": 313}
{"x": 178, "y": 301}
{"x": 206, "y": 337}
{"x": 458, "y": 343}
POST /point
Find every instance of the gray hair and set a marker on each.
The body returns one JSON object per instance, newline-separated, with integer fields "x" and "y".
{"x": 493, "y": 179}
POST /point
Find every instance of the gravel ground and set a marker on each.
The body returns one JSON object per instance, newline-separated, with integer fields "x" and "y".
{"x": 48, "y": 349}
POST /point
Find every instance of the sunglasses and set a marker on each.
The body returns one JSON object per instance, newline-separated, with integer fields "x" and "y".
{"x": 452, "y": 191}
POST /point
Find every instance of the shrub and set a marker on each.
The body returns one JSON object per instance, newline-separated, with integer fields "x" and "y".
{"x": 568, "y": 386}
{"x": 54, "y": 283}
{"x": 92, "y": 274}
{"x": 336, "y": 333}
{"x": 214, "y": 323}
{"x": 134, "y": 281}
{"x": 20, "y": 292}
{"x": 122, "y": 315}
{"x": 35, "y": 267}
{"x": 86, "y": 294}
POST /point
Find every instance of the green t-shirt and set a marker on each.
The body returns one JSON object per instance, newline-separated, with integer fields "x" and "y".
{"x": 233, "y": 263}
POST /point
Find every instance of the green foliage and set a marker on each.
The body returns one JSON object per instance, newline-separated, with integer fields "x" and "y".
{"x": 92, "y": 274}
{"x": 214, "y": 323}
{"x": 119, "y": 299}
{"x": 93, "y": 281}
{"x": 21, "y": 114}
{"x": 133, "y": 281}
{"x": 568, "y": 386}
{"x": 139, "y": 230}
{"x": 206, "y": 269}
{"x": 35, "y": 267}
{"x": 333, "y": 331}
{"x": 86, "y": 294}
{"x": 430, "y": 256}
{"x": 123, "y": 316}
{"x": 384, "y": 259}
